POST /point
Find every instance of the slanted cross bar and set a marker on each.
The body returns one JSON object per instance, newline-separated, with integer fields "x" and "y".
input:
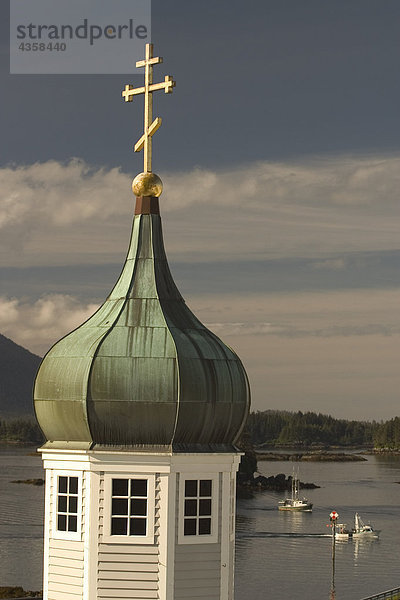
{"x": 150, "y": 126}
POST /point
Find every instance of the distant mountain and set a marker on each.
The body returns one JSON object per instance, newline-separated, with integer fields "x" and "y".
{"x": 18, "y": 368}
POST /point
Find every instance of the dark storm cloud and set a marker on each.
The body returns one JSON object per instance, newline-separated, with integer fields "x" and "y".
{"x": 255, "y": 80}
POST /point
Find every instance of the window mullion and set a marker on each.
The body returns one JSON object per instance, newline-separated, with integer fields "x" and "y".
{"x": 129, "y": 506}
{"x": 198, "y": 508}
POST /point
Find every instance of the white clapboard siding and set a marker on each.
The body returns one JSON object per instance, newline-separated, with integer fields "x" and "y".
{"x": 85, "y": 475}
{"x": 199, "y": 584}
{"x": 157, "y": 509}
{"x": 127, "y": 584}
{"x": 128, "y": 549}
{"x": 62, "y": 545}
{"x": 101, "y": 508}
{"x": 51, "y": 502}
{"x": 203, "y": 562}
{"x": 129, "y": 594}
{"x": 59, "y": 553}
{"x": 191, "y": 575}
{"x": 135, "y": 575}
{"x": 105, "y": 568}
{"x": 63, "y": 595}
{"x": 69, "y": 563}
{"x": 71, "y": 580}
{"x": 66, "y": 589}
{"x": 128, "y": 552}
{"x": 206, "y": 554}
{"x": 128, "y": 570}
{"x": 65, "y": 568}
{"x": 206, "y": 593}
{"x": 66, "y": 573}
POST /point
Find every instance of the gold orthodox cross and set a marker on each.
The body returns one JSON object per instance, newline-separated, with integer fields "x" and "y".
{"x": 150, "y": 126}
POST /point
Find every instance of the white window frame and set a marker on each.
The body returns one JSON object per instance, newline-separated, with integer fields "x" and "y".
{"x": 129, "y": 539}
{"x": 67, "y": 535}
{"x": 211, "y": 538}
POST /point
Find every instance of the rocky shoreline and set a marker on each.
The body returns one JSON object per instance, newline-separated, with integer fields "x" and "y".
{"x": 29, "y": 482}
{"x": 250, "y": 480}
{"x": 275, "y": 483}
{"x": 18, "y": 592}
{"x": 280, "y": 483}
{"x": 313, "y": 456}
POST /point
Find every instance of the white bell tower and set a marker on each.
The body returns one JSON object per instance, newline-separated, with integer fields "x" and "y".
{"x": 141, "y": 407}
{"x": 130, "y": 525}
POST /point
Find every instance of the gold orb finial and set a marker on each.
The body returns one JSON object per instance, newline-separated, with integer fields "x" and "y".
{"x": 147, "y": 184}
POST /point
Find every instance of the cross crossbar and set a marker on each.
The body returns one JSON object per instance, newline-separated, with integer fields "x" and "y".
{"x": 150, "y": 126}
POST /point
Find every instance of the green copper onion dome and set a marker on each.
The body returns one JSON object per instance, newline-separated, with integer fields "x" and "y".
{"x": 142, "y": 372}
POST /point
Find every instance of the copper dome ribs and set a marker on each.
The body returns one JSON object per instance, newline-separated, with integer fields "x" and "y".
{"x": 143, "y": 371}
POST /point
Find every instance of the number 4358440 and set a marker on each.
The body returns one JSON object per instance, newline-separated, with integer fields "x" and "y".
{"x": 42, "y": 46}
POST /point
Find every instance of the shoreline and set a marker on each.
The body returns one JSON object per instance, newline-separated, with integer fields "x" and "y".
{"x": 9, "y": 592}
{"x": 310, "y": 456}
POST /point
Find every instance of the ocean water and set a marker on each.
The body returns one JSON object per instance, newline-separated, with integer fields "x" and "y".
{"x": 21, "y": 519}
{"x": 278, "y": 554}
{"x": 289, "y": 555}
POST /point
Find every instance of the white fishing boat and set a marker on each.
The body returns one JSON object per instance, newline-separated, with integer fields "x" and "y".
{"x": 359, "y": 531}
{"x": 295, "y": 503}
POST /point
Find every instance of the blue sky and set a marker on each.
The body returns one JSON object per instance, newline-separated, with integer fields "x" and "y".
{"x": 280, "y": 157}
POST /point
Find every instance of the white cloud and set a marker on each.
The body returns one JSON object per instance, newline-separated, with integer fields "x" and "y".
{"x": 53, "y": 213}
{"x": 60, "y": 194}
{"x": 37, "y": 326}
{"x": 302, "y": 351}
{"x": 346, "y": 181}
{"x": 330, "y": 264}
{"x": 247, "y": 328}
{"x": 292, "y": 331}
{"x": 331, "y": 314}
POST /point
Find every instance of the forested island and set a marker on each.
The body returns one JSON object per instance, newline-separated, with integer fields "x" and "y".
{"x": 20, "y": 430}
{"x": 269, "y": 429}
{"x": 277, "y": 429}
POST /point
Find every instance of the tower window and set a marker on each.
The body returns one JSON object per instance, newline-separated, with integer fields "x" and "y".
{"x": 197, "y": 511}
{"x": 198, "y": 503}
{"x": 129, "y": 507}
{"x": 67, "y": 505}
